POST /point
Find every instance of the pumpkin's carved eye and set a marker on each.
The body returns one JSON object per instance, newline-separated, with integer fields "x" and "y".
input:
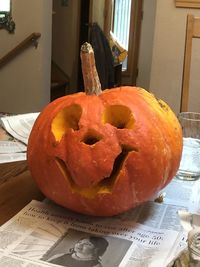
{"x": 67, "y": 118}
{"x": 119, "y": 116}
{"x": 91, "y": 137}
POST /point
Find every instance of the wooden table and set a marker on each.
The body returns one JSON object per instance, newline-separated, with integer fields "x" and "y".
{"x": 17, "y": 189}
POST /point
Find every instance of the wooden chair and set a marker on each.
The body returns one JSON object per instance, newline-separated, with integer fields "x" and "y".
{"x": 192, "y": 31}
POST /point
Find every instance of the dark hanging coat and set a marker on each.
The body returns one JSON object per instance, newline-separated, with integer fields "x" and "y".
{"x": 103, "y": 56}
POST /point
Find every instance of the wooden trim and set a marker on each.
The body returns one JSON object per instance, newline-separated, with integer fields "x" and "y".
{"x": 186, "y": 64}
{"x": 108, "y": 12}
{"x": 30, "y": 40}
{"x": 188, "y": 3}
{"x": 192, "y": 31}
{"x": 130, "y": 75}
{"x": 196, "y": 28}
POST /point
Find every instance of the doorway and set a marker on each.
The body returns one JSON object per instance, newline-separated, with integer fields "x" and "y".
{"x": 70, "y": 26}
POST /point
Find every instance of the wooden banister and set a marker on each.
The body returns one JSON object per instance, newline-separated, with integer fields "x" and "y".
{"x": 30, "y": 40}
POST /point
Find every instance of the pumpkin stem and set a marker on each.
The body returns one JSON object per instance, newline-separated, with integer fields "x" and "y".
{"x": 90, "y": 76}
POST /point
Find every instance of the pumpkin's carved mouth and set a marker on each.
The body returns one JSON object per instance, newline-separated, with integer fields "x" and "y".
{"x": 104, "y": 186}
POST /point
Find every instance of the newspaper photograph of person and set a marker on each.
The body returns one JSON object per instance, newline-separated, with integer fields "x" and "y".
{"x": 81, "y": 249}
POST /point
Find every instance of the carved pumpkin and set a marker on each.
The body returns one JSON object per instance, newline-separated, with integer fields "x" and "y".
{"x": 102, "y": 155}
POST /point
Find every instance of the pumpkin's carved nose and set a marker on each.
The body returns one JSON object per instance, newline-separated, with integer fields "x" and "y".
{"x": 91, "y": 137}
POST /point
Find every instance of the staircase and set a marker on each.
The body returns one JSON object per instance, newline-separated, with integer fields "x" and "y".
{"x": 59, "y": 82}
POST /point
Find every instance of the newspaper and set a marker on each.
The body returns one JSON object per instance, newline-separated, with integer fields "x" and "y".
{"x": 14, "y": 134}
{"x": 7, "y": 147}
{"x": 183, "y": 194}
{"x": 19, "y": 126}
{"x": 189, "y": 256}
{"x": 41, "y": 234}
{"x": 12, "y": 151}
{"x": 12, "y": 157}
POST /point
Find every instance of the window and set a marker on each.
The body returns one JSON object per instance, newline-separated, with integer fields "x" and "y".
{"x": 4, "y": 8}
{"x": 123, "y": 19}
{"x": 6, "y": 21}
{"x": 121, "y": 24}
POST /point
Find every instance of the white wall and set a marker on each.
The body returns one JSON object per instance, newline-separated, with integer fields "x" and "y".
{"x": 168, "y": 53}
{"x": 146, "y": 45}
{"x": 25, "y": 81}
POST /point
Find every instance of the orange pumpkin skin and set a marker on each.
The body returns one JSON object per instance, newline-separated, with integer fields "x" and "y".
{"x": 102, "y": 155}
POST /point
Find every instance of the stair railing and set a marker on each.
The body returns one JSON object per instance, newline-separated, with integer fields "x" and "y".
{"x": 30, "y": 40}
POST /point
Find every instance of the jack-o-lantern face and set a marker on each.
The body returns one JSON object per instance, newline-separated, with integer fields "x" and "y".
{"x": 102, "y": 155}
{"x": 93, "y": 152}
